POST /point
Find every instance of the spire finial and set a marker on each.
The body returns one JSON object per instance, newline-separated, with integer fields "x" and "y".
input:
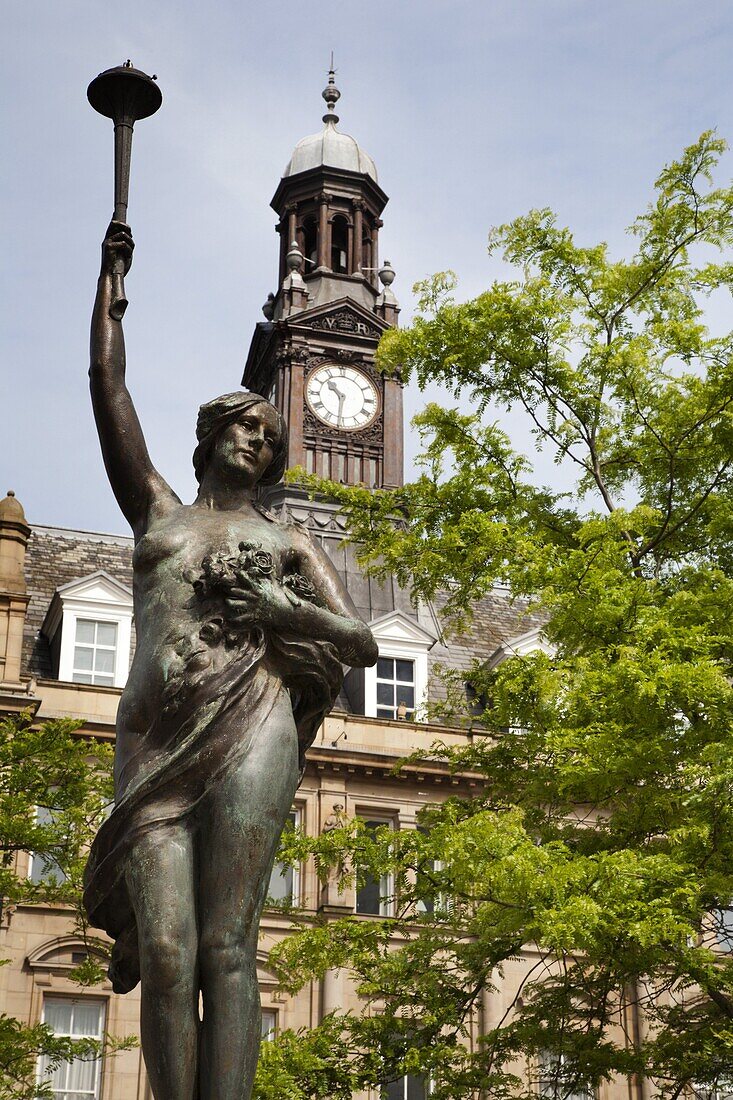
{"x": 331, "y": 94}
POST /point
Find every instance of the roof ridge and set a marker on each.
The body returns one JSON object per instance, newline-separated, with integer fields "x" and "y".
{"x": 49, "y": 528}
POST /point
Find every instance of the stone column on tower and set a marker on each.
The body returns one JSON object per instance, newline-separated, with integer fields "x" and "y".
{"x": 14, "y": 535}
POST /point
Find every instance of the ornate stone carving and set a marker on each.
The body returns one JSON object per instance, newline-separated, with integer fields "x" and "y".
{"x": 316, "y": 429}
{"x": 346, "y": 320}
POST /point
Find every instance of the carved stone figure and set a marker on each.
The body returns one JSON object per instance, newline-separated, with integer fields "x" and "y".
{"x": 242, "y": 629}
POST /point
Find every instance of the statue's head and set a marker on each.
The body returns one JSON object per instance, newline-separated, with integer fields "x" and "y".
{"x": 242, "y": 431}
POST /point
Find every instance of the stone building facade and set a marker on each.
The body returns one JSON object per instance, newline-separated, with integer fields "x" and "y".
{"x": 67, "y": 630}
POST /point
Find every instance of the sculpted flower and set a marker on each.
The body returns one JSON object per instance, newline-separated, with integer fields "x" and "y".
{"x": 211, "y": 632}
{"x": 300, "y": 585}
{"x": 218, "y": 572}
{"x": 252, "y": 558}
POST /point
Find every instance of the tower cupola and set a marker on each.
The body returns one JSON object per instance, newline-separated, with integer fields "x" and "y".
{"x": 329, "y": 203}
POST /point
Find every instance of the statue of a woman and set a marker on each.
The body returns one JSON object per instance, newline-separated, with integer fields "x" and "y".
{"x": 242, "y": 627}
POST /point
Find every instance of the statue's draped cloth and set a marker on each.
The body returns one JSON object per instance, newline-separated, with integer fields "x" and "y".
{"x": 206, "y": 731}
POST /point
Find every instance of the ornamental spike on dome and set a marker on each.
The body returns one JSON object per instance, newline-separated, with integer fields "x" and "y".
{"x": 331, "y": 94}
{"x": 329, "y": 147}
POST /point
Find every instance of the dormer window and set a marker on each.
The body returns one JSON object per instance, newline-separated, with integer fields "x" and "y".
{"x": 89, "y": 628}
{"x": 396, "y": 687}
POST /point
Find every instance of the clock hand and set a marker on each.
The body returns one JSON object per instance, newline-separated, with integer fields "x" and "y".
{"x": 339, "y": 393}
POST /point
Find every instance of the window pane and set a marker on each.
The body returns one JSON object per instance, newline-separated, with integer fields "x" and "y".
{"x": 406, "y": 671}
{"x": 85, "y": 631}
{"x": 45, "y": 868}
{"x": 82, "y": 678}
{"x": 368, "y": 896}
{"x": 87, "y": 1019}
{"x": 103, "y": 679}
{"x": 104, "y": 661}
{"x": 381, "y": 713}
{"x": 415, "y": 1088}
{"x": 269, "y": 1020}
{"x": 385, "y": 668}
{"x": 406, "y": 695}
{"x": 107, "y": 634}
{"x": 395, "y": 1090}
{"x": 57, "y": 1014}
{"x": 83, "y": 1075}
{"x": 281, "y": 883}
{"x": 282, "y": 879}
{"x": 724, "y": 927}
{"x": 83, "y": 658}
{"x": 385, "y": 695}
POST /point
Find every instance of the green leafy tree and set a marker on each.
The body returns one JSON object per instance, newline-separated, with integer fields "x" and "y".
{"x": 603, "y": 831}
{"x": 54, "y": 790}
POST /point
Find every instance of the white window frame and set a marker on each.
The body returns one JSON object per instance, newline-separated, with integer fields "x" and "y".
{"x": 401, "y": 638}
{"x": 99, "y": 598}
{"x": 550, "y": 1073}
{"x": 395, "y": 684}
{"x": 386, "y": 882}
{"x": 96, "y": 1093}
{"x": 296, "y": 817}
{"x": 97, "y": 678}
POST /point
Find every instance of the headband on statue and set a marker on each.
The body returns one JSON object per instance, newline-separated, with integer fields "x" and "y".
{"x": 218, "y": 414}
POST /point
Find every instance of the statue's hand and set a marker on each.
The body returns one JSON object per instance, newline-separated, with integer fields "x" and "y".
{"x": 118, "y": 243}
{"x": 258, "y": 600}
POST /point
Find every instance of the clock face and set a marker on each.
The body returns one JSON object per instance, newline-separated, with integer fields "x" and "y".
{"x": 342, "y": 397}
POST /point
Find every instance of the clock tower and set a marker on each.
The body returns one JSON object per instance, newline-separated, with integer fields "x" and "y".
{"x": 313, "y": 355}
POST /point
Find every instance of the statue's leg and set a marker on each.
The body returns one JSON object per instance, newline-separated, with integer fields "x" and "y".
{"x": 240, "y": 830}
{"x": 160, "y": 877}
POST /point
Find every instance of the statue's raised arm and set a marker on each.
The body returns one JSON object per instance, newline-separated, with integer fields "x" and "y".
{"x": 136, "y": 483}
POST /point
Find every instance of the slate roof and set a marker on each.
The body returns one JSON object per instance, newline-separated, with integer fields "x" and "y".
{"x": 56, "y": 556}
{"x": 496, "y": 618}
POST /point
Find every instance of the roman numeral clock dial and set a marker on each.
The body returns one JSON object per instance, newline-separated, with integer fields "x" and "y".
{"x": 342, "y": 397}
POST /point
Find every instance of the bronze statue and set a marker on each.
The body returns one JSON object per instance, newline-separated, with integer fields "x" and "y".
{"x": 242, "y": 628}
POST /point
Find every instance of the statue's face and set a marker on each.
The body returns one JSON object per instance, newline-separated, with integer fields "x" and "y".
{"x": 248, "y": 444}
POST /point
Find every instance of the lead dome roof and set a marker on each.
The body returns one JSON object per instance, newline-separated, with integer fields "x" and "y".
{"x": 330, "y": 148}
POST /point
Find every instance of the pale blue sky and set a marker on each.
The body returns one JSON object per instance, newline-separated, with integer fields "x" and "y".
{"x": 474, "y": 111}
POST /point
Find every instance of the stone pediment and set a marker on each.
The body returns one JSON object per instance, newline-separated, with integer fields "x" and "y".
{"x": 99, "y": 586}
{"x": 395, "y": 626}
{"x": 343, "y": 317}
{"x": 96, "y": 590}
{"x": 532, "y": 641}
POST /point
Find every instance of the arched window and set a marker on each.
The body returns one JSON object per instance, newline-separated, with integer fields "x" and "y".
{"x": 310, "y": 243}
{"x": 340, "y": 244}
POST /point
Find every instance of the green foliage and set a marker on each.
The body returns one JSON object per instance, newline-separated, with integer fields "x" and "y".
{"x": 311, "y": 1064}
{"x": 603, "y": 833}
{"x": 70, "y": 777}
